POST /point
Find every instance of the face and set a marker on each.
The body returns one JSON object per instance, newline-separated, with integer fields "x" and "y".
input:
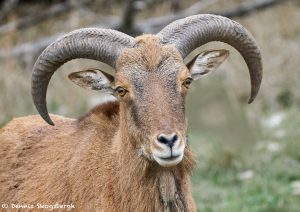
{"x": 151, "y": 84}
{"x": 152, "y": 98}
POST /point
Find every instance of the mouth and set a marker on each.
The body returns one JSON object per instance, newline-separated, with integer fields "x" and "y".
{"x": 169, "y": 161}
{"x": 172, "y": 157}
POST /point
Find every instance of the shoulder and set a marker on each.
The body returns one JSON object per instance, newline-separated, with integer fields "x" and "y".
{"x": 107, "y": 112}
{"x": 35, "y": 120}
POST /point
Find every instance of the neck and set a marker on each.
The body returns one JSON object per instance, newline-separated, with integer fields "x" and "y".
{"x": 142, "y": 185}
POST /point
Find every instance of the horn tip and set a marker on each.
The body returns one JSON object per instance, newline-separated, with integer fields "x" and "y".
{"x": 48, "y": 120}
{"x": 251, "y": 100}
{"x": 51, "y": 123}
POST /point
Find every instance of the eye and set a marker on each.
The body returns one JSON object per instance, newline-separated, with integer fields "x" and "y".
{"x": 187, "y": 82}
{"x": 121, "y": 91}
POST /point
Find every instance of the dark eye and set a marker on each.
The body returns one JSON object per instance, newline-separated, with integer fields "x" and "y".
{"x": 120, "y": 91}
{"x": 187, "y": 82}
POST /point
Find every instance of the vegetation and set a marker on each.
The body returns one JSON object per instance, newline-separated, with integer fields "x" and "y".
{"x": 264, "y": 177}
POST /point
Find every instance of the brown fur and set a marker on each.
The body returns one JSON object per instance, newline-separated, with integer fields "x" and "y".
{"x": 97, "y": 162}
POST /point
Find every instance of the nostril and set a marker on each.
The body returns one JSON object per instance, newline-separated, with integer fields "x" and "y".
{"x": 175, "y": 137}
{"x": 162, "y": 139}
{"x": 167, "y": 139}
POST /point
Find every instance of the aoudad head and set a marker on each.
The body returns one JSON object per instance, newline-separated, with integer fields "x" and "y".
{"x": 152, "y": 78}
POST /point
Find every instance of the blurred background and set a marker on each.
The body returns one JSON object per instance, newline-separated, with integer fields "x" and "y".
{"x": 248, "y": 155}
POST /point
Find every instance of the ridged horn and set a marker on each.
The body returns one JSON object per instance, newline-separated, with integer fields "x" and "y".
{"x": 192, "y": 32}
{"x": 91, "y": 43}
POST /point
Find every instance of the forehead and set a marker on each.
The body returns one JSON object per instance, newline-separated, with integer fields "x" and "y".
{"x": 149, "y": 57}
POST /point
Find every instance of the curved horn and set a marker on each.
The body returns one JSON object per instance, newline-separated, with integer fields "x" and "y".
{"x": 91, "y": 43}
{"x": 189, "y": 33}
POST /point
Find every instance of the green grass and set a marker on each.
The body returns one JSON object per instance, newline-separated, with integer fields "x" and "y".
{"x": 218, "y": 187}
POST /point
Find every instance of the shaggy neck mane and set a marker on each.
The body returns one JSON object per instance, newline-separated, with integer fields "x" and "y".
{"x": 140, "y": 179}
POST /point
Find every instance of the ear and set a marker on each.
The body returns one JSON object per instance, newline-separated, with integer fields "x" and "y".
{"x": 206, "y": 62}
{"x": 93, "y": 79}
